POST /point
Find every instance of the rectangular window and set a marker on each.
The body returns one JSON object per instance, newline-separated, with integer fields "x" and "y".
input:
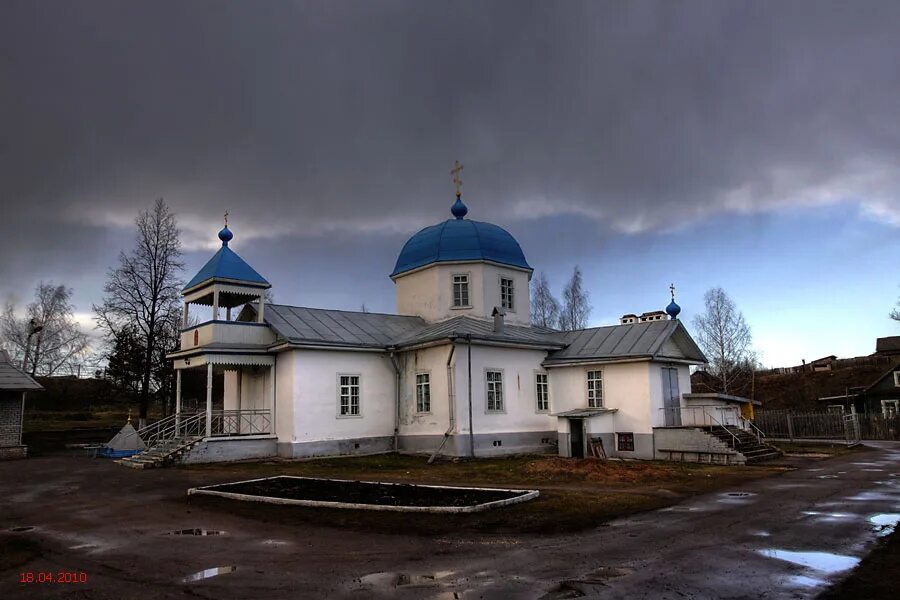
{"x": 625, "y": 442}
{"x": 595, "y": 389}
{"x": 890, "y": 408}
{"x": 460, "y": 290}
{"x": 542, "y": 392}
{"x": 349, "y": 395}
{"x": 896, "y": 378}
{"x": 423, "y": 392}
{"x": 494, "y": 391}
{"x": 506, "y": 293}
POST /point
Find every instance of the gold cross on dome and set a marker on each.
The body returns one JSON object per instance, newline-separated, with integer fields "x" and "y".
{"x": 457, "y": 180}
{"x": 226, "y": 218}
{"x": 672, "y": 289}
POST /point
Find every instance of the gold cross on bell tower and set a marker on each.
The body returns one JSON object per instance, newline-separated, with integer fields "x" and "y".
{"x": 457, "y": 180}
{"x": 226, "y": 218}
{"x": 672, "y": 289}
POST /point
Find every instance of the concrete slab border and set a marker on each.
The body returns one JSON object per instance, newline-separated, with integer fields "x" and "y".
{"x": 523, "y": 496}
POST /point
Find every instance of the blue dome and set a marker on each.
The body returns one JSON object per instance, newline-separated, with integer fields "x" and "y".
{"x": 225, "y": 235}
{"x": 459, "y": 240}
{"x": 673, "y": 309}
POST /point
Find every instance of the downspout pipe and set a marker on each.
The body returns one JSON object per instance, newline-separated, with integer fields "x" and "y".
{"x": 397, "y": 401}
{"x": 471, "y": 424}
{"x": 451, "y": 414}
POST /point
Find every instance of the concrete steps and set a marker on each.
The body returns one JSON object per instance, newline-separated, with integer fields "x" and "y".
{"x": 163, "y": 453}
{"x": 754, "y": 450}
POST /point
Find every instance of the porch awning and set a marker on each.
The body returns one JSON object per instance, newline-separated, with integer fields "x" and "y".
{"x": 584, "y": 413}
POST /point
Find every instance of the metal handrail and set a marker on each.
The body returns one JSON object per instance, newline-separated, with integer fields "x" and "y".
{"x": 734, "y": 439}
{"x": 759, "y": 432}
{"x": 143, "y": 432}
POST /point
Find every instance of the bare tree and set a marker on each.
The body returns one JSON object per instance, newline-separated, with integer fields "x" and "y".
{"x": 576, "y": 304}
{"x": 544, "y": 307}
{"x": 142, "y": 294}
{"x": 725, "y": 338}
{"x": 895, "y": 314}
{"x": 45, "y": 338}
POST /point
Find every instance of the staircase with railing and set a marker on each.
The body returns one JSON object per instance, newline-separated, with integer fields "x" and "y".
{"x": 728, "y": 426}
{"x": 168, "y": 439}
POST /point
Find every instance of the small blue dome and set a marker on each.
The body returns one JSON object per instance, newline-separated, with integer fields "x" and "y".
{"x": 225, "y": 235}
{"x": 459, "y": 210}
{"x": 673, "y": 309}
{"x": 460, "y": 240}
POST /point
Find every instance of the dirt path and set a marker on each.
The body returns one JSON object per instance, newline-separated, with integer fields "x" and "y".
{"x": 787, "y": 537}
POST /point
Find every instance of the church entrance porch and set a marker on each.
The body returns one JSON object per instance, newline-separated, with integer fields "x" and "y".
{"x": 235, "y": 422}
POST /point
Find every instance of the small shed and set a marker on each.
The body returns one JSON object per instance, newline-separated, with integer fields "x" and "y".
{"x": 14, "y": 383}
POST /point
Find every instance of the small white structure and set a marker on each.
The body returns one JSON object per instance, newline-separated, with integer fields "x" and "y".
{"x": 459, "y": 371}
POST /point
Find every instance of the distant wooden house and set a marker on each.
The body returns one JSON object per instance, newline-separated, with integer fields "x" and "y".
{"x": 881, "y": 397}
{"x": 888, "y": 346}
{"x": 14, "y": 383}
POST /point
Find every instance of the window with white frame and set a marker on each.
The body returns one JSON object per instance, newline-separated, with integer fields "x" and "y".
{"x": 506, "y": 293}
{"x": 494, "y": 381}
{"x": 595, "y": 389}
{"x": 542, "y": 392}
{"x": 890, "y": 408}
{"x": 896, "y": 378}
{"x": 349, "y": 396}
{"x": 423, "y": 392}
{"x": 461, "y": 290}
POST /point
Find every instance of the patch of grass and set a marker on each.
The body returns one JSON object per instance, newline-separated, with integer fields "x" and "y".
{"x": 16, "y": 551}
{"x": 575, "y": 494}
{"x": 875, "y": 578}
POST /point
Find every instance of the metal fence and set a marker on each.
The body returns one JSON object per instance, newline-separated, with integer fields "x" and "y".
{"x": 848, "y": 427}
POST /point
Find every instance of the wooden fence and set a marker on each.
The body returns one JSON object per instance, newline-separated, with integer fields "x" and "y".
{"x": 826, "y": 425}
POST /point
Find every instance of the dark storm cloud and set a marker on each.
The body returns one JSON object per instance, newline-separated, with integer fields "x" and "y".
{"x": 307, "y": 118}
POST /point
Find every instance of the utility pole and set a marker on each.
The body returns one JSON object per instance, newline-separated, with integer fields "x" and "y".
{"x": 33, "y": 328}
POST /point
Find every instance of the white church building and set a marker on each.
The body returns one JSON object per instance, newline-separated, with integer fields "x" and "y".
{"x": 458, "y": 371}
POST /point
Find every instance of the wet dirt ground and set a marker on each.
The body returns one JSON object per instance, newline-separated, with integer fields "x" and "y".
{"x": 782, "y": 537}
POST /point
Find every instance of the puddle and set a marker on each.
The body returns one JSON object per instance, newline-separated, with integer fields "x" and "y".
{"x": 829, "y": 515}
{"x": 592, "y": 583}
{"x": 885, "y": 523}
{"x": 827, "y": 476}
{"x": 873, "y": 470}
{"x": 82, "y": 546}
{"x": 207, "y": 573}
{"x": 22, "y": 529}
{"x": 739, "y": 494}
{"x": 762, "y": 533}
{"x": 389, "y": 579}
{"x": 804, "y": 581}
{"x": 196, "y": 532}
{"x": 820, "y": 561}
{"x": 275, "y": 543}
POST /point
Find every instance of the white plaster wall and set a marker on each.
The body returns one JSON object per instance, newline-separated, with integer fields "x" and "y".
{"x": 255, "y": 389}
{"x": 433, "y": 361}
{"x": 285, "y": 395}
{"x": 520, "y": 396}
{"x": 428, "y": 293}
{"x": 626, "y": 387}
{"x": 315, "y": 395}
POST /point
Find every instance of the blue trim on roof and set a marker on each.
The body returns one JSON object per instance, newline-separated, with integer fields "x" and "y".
{"x": 460, "y": 240}
{"x": 226, "y": 264}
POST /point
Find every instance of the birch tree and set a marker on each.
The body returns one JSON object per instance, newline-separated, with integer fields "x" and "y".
{"x": 544, "y": 307}
{"x": 58, "y": 345}
{"x": 576, "y": 304}
{"x": 725, "y": 339}
{"x": 142, "y": 297}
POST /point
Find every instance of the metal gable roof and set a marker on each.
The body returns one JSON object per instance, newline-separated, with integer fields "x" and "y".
{"x": 300, "y": 325}
{"x": 13, "y": 379}
{"x": 637, "y": 340}
{"x": 226, "y": 264}
{"x": 460, "y": 240}
{"x": 480, "y": 329}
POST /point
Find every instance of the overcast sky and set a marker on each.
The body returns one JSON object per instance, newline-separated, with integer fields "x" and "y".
{"x": 755, "y": 146}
